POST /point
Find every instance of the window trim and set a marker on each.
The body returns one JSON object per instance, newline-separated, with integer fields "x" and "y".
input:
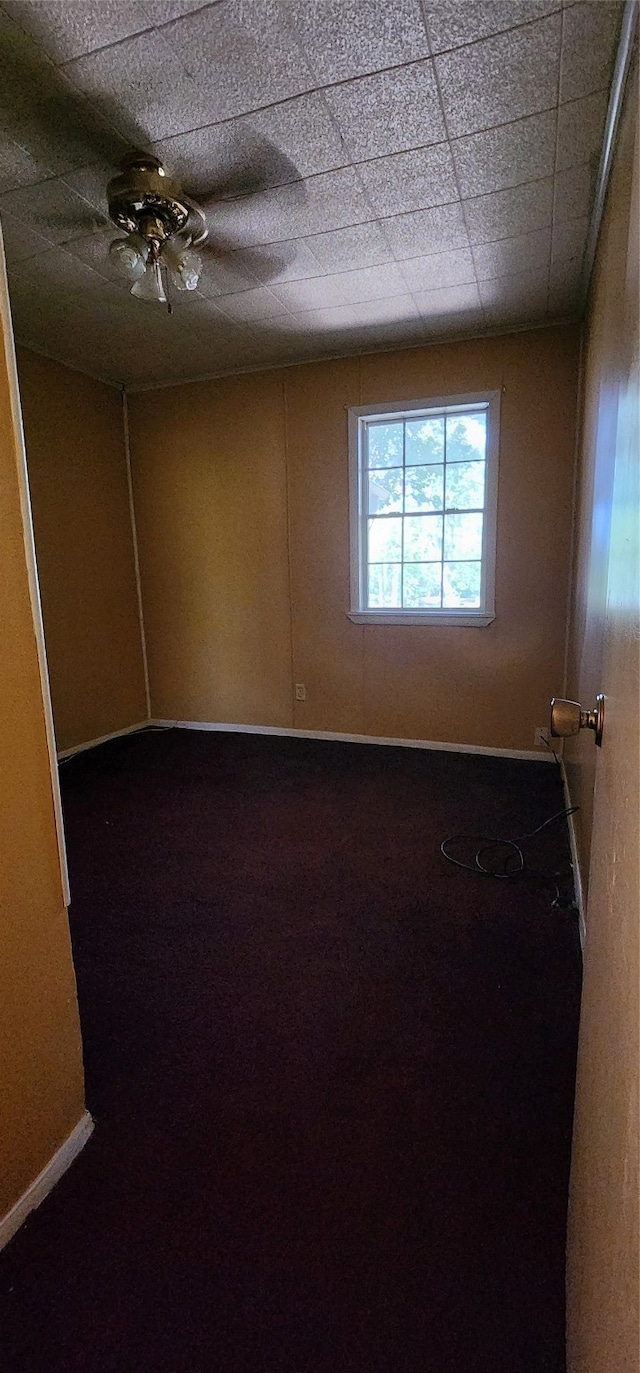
{"x": 358, "y": 414}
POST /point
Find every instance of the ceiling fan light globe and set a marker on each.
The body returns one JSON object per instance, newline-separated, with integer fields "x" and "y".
{"x": 128, "y": 257}
{"x": 183, "y": 264}
{"x": 186, "y": 279}
{"x": 151, "y": 285}
{"x": 191, "y": 270}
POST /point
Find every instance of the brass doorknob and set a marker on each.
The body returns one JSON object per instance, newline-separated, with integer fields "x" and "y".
{"x": 568, "y": 718}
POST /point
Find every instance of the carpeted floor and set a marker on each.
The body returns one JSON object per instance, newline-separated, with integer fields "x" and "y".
{"x": 332, "y": 1075}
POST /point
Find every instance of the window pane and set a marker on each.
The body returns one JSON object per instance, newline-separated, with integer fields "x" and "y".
{"x": 384, "y": 444}
{"x": 384, "y": 585}
{"x": 423, "y": 488}
{"x": 422, "y": 538}
{"x": 421, "y": 585}
{"x": 385, "y": 491}
{"x": 425, "y": 441}
{"x": 466, "y": 437}
{"x": 465, "y": 485}
{"x": 461, "y": 585}
{"x": 385, "y": 540}
{"x": 463, "y": 536}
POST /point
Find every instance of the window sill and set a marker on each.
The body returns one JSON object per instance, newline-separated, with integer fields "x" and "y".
{"x": 427, "y": 617}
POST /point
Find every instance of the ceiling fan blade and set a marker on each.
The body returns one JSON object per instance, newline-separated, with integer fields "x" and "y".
{"x": 263, "y": 264}
{"x": 259, "y": 166}
{"x": 43, "y": 111}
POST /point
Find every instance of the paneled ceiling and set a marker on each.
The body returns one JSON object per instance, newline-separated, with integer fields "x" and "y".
{"x": 424, "y": 171}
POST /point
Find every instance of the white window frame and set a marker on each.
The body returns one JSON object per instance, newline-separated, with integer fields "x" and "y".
{"x": 433, "y": 406}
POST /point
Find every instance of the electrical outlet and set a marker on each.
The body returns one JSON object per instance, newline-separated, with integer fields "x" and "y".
{"x": 301, "y": 691}
{"x": 541, "y": 736}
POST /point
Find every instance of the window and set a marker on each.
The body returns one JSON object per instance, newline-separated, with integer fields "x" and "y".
{"x": 424, "y": 483}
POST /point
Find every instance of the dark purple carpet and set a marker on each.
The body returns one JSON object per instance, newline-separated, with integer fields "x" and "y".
{"x": 332, "y": 1075}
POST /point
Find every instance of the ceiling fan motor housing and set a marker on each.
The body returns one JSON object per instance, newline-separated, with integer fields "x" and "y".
{"x": 143, "y": 199}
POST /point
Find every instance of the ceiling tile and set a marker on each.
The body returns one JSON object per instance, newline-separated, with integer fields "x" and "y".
{"x": 565, "y": 284}
{"x": 388, "y": 112}
{"x": 225, "y": 273}
{"x": 20, "y": 243}
{"x": 510, "y": 256}
{"x": 359, "y": 245}
{"x": 206, "y": 317}
{"x": 371, "y": 283}
{"x": 282, "y": 326}
{"x": 498, "y": 158}
{"x": 427, "y": 231}
{"x": 569, "y": 239}
{"x": 310, "y": 293}
{"x": 343, "y": 288}
{"x": 67, "y": 30}
{"x": 450, "y": 24}
{"x": 410, "y": 181}
{"x": 18, "y": 167}
{"x": 588, "y": 50}
{"x": 580, "y": 131}
{"x": 52, "y": 209}
{"x": 373, "y": 312}
{"x": 43, "y": 112}
{"x": 214, "y": 161}
{"x": 502, "y": 78}
{"x": 526, "y": 292}
{"x": 303, "y": 131}
{"x": 240, "y": 56}
{"x": 163, "y": 11}
{"x": 93, "y": 250}
{"x": 459, "y": 324}
{"x": 243, "y": 268}
{"x": 285, "y": 261}
{"x": 331, "y": 201}
{"x": 345, "y": 38}
{"x": 505, "y": 214}
{"x": 438, "y": 270}
{"x": 573, "y": 192}
{"x": 60, "y": 279}
{"x": 296, "y": 138}
{"x": 565, "y": 276}
{"x": 275, "y": 146}
{"x": 123, "y": 83}
{"x": 91, "y": 183}
{"x": 506, "y": 318}
{"x": 278, "y": 350}
{"x": 258, "y": 303}
{"x": 447, "y": 300}
{"x": 322, "y": 258}
{"x": 462, "y": 325}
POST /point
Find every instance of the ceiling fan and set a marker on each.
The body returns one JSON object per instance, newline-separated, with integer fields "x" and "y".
{"x": 163, "y": 227}
{"x": 166, "y": 230}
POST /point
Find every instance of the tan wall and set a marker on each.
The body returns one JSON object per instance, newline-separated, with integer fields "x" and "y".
{"x": 41, "y": 1081}
{"x": 75, "y": 453}
{"x": 211, "y": 512}
{"x": 603, "y": 1246}
{"x": 241, "y": 602}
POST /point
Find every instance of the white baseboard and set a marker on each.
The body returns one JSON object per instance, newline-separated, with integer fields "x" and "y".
{"x": 225, "y": 727}
{"x": 103, "y": 739}
{"x": 46, "y": 1180}
{"x": 532, "y": 755}
{"x": 575, "y": 859}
